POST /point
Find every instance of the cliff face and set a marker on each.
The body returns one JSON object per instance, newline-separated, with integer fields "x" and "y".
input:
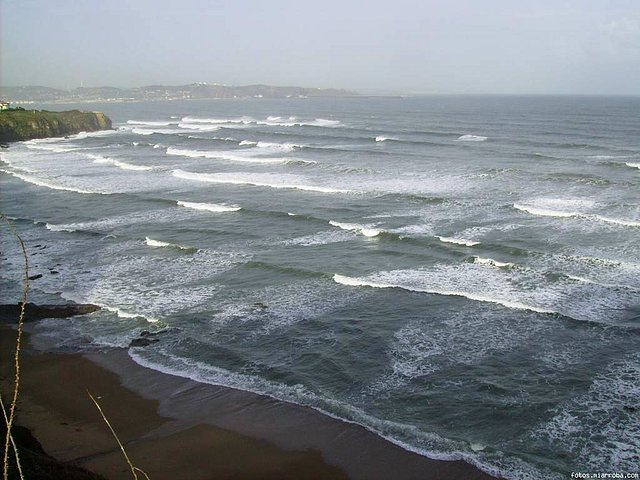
{"x": 18, "y": 125}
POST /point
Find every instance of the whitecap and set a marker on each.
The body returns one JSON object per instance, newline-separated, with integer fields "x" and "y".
{"x": 185, "y": 152}
{"x": 210, "y": 207}
{"x": 418, "y": 281}
{"x": 151, "y": 124}
{"x": 458, "y": 241}
{"x": 158, "y": 244}
{"x": 471, "y": 138}
{"x": 365, "y": 230}
{"x": 382, "y": 138}
{"x": 232, "y": 179}
{"x": 491, "y": 262}
{"x": 117, "y": 163}
{"x": 43, "y": 183}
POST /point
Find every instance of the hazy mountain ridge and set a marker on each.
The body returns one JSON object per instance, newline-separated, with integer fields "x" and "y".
{"x": 23, "y": 94}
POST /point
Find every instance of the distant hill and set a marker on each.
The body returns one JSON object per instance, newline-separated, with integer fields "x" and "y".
{"x": 161, "y": 92}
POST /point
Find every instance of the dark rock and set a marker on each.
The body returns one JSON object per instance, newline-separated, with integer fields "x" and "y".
{"x": 37, "y": 464}
{"x": 33, "y": 312}
{"x": 54, "y": 272}
{"x": 143, "y": 342}
{"x": 35, "y": 277}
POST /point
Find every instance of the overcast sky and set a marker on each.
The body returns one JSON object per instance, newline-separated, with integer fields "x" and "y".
{"x": 427, "y": 46}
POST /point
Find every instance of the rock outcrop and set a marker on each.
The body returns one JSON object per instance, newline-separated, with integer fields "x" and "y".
{"x": 18, "y": 124}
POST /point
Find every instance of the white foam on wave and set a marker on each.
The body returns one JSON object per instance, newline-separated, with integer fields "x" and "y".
{"x": 6, "y": 161}
{"x": 491, "y": 262}
{"x": 617, "y": 221}
{"x": 210, "y": 207}
{"x": 471, "y": 138}
{"x": 382, "y": 138}
{"x": 44, "y": 183}
{"x": 458, "y": 241}
{"x": 366, "y": 230}
{"x": 150, "y": 123}
{"x": 97, "y": 133}
{"x": 117, "y": 163}
{"x": 59, "y": 228}
{"x": 240, "y": 179}
{"x": 51, "y": 148}
{"x": 202, "y": 127}
{"x": 545, "y": 212}
{"x": 158, "y": 244}
{"x": 632, "y": 164}
{"x": 247, "y": 142}
{"x": 217, "y": 121}
{"x": 151, "y": 131}
{"x": 607, "y": 410}
{"x": 124, "y": 314}
{"x": 541, "y": 208}
{"x": 318, "y": 122}
{"x": 214, "y": 154}
{"x": 423, "y": 281}
{"x": 421, "y": 230}
{"x": 283, "y": 147}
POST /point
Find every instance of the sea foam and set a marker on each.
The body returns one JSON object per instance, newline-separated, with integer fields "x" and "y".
{"x": 214, "y": 154}
{"x": 210, "y": 207}
{"x": 158, "y": 244}
{"x": 117, "y": 163}
{"x": 471, "y": 138}
{"x": 365, "y": 230}
{"x": 458, "y": 241}
{"x": 151, "y": 124}
{"x": 234, "y": 180}
{"x": 43, "y": 183}
{"x": 374, "y": 282}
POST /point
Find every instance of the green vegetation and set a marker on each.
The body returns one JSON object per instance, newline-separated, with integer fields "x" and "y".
{"x": 19, "y": 124}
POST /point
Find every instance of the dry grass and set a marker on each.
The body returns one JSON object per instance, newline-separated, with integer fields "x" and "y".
{"x": 134, "y": 469}
{"x": 9, "y": 418}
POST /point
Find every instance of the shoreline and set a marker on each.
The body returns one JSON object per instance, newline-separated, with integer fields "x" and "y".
{"x": 156, "y": 414}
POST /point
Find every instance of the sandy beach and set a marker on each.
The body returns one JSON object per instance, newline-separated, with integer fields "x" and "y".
{"x": 177, "y": 428}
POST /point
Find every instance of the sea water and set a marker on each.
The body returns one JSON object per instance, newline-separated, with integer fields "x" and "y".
{"x": 460, "y": 275}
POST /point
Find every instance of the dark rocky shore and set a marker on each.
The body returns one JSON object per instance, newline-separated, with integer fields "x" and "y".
{"x": 18, "y": 124}
{"x": 9, "y": 312}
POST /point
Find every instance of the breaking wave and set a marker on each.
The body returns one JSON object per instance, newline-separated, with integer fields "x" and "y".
{"x": 233, "y": 180}
{"x": 365, "y": 230}
{"x": 210, "y": 207}
{"x": 471, "y": 138}
{"x": 458, "y": 241}
{"x": 43, "y": 183}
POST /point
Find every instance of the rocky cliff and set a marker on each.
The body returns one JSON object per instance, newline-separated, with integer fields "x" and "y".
{"x": 17, "y": 124}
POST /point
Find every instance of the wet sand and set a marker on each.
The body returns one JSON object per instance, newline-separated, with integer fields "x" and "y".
{"x": 176, "y": 428}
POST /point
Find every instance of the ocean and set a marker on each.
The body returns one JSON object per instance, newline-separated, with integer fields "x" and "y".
{"x": 460, "y": 275}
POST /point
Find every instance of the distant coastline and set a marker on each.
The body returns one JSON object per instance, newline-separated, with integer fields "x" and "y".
{"x": 195, "y": 91}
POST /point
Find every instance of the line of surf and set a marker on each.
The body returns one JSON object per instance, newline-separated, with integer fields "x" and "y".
{"x": 364, "y": 282}
{"x": 223, "y": 178}
{"x": 118, "y": 163}
{"x": 184, "y": 152}
{"x": 366, "y": 230}
{"x": 43, "y": 183}
{"x": 209, "y": 207}
{"x": 545, "y": 212}
{"x": 160, "y": 244}
{"x": 458, "y": 241}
